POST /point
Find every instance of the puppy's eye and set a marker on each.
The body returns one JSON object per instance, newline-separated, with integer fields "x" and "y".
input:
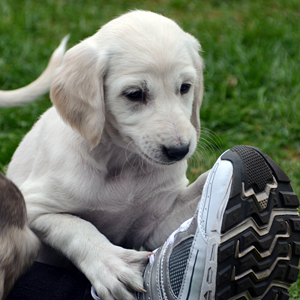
{"x": 184, "y": 89}
{"x": 137, "y": 95}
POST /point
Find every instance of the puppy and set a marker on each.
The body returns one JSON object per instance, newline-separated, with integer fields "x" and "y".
{"x": 18, "y": 244}
{"x": 103, "y": 170}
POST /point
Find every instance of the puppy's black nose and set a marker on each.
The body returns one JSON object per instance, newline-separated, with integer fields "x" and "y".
{"x": 176, "y": 153}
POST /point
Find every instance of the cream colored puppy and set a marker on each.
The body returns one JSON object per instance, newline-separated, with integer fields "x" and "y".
{"x": 104, "y": 169}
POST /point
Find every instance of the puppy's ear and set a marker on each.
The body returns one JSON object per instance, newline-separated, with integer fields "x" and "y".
{"x": 199, "y": 87}
{"x": 77, "y": 91}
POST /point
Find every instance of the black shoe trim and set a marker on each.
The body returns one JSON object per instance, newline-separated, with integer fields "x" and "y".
{"x": 260, "y": 258}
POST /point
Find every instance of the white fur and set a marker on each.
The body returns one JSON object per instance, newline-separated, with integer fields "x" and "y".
{"x": 92, "y": 169}
{"x": 38, "y": 87}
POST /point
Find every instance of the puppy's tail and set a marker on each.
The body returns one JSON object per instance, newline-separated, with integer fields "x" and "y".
{"x": 38, "y": 87}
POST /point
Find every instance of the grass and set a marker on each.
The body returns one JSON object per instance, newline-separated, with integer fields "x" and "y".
{"x": 252, "y": 77}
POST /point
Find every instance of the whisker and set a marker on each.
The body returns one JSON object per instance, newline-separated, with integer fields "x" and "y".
{"x": 209, "y": 148}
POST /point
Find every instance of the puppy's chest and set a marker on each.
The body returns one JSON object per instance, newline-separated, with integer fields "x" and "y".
{"x": 130, "y": 187}
{"x": 129, "y": 203}
{"x": 133, "y": 194}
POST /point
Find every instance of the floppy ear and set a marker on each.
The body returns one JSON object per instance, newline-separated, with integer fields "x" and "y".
{"x": 199, "y": 87}
{"x": 77, "y": 91}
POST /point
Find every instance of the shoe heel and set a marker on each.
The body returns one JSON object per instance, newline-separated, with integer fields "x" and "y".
{"x": 259, "y": 251}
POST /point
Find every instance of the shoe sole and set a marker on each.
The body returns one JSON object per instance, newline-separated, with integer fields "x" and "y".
{"x": 258, "y": 250}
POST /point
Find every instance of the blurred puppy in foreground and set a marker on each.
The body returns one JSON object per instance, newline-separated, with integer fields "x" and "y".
{"x": 18, "y": 244}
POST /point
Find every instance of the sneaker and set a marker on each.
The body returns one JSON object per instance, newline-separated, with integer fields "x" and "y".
{"x": 242, "y": 243}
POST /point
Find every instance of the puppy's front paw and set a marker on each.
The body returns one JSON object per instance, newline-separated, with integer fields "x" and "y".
{"x": 119, "y": 274}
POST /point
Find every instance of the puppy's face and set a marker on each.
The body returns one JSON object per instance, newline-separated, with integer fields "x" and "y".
{"x": 150, "y": 90}
{"x": 151, "y": 98}
{"x": 142, "y": 74}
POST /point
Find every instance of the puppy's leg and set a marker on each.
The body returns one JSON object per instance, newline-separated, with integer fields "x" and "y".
{"x": 184, "y": 208}
{"x": 18, "y": 244}
{"x": 113, "y": 271}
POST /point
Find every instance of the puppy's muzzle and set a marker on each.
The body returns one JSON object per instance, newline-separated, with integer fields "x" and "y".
{"x": 176, "y": 153}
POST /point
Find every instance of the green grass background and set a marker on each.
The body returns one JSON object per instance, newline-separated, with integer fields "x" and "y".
{"x": 252, "y": 78}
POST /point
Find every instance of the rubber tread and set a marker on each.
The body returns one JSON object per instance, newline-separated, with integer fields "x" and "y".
{"x": 259, "y": 174}
{"x": 251, "y": 261}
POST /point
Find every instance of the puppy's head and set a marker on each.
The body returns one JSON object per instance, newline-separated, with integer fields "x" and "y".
{"x": 140, "y": 79}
